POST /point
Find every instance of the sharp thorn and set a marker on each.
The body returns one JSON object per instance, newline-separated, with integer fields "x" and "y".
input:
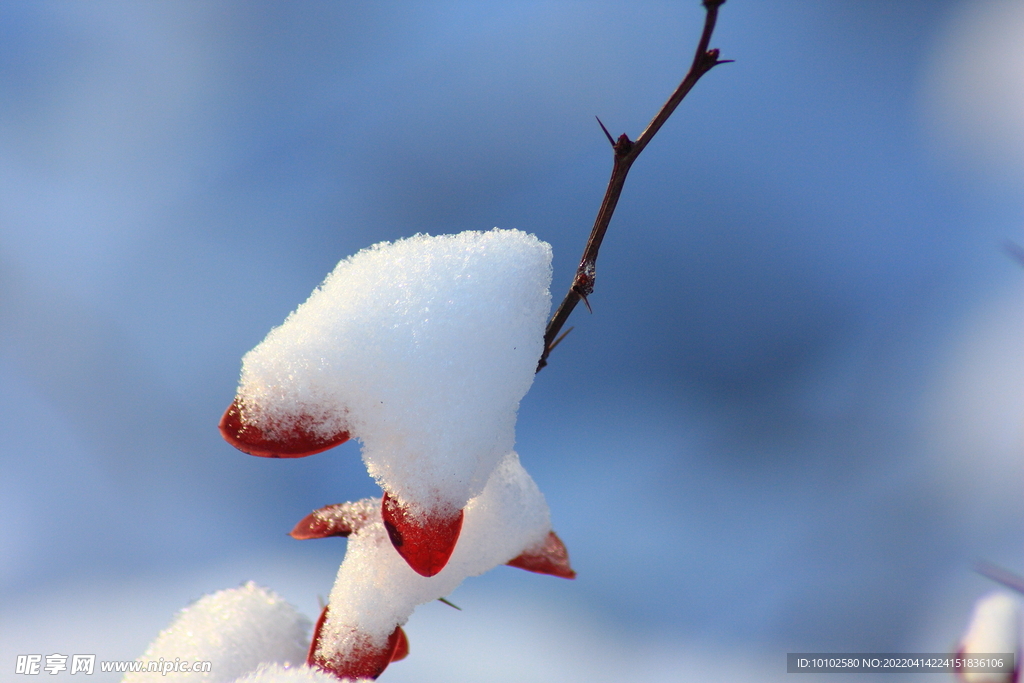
{"x": 559, "y": 340}
{"x": 449, "y": 603}
{"x": 1000, "y": 575}
{"x": 607, "y": 134}
{"x": 587, "y": 303}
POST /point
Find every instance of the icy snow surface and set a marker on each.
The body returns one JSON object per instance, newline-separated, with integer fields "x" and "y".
{"x": 422, "y": 349}
{"x": 236, "y": 630}
{"x": 376, "y": 590}
{"x": 275, "y": 673}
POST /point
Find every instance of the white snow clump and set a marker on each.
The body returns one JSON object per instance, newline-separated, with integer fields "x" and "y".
{"x": 236, "y": 630}
{"x": 275, "y": 673}
{"x": 421, "y": 348}
{"x": 375, "y": 590}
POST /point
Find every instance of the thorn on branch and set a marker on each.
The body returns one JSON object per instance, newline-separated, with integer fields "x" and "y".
{"x": 560, "y": 338}
{"x": 449, "y": 603}
{"x": 585, "y": 276}
{"x": 711, "y": 60}
{"x": 583, "y": 285}
{"x": 607, "y": 134}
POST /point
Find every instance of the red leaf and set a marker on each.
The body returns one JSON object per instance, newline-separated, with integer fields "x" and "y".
{"x": 426, "y": 545}
{"x": 365, "y": 661}
{"x": 316, "y": 636}
{"x": 402, "y": 647}
{"x": 551, "y": 558}
{"x": 298, "y": 442}
{"x": 335, "y": 520}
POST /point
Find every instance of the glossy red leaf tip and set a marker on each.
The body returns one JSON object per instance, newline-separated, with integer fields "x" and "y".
{"x": 551, "y": 558}
{"x": 402, "y": 647}
{"x": 366, "y": 661}
{"x": 298, "y": 442}
{"x": 342, "y": 519}
{"x": 425, "y": 544}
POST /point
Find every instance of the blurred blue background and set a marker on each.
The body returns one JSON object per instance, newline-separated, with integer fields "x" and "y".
{"x": 792, "y": 423}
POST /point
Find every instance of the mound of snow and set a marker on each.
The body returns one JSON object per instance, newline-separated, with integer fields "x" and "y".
{"x": 420, "y": 348}
{"x": 236, "y": 630}
{"x": 376, "y": 592}
{"x": 275, "y": 673}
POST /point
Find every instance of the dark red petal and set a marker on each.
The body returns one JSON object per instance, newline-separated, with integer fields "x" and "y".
{"x": 365, "y": 662}
{"x": 316, "y": 636}
{"x": 298, "y": 442}
{"x": 401, "y": 647}
{"x": 335, "y": 520}
{"x": 551, "y": 558}
{"x": 425, "y": 544}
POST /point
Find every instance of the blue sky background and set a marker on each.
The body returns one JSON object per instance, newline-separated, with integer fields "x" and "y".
{"x": 792, "y": 423}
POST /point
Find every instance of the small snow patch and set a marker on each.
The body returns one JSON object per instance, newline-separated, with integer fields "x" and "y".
{"x": 236, "y": 630}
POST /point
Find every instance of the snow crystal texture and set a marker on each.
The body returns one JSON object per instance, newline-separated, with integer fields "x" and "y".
{"x": 236, "y": 630}
{"x": 422, "y": 349}
{"x": 275, "y": 673}
{"x": 376, "y": 590}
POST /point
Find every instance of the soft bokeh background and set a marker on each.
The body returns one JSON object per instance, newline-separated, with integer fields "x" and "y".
{"x": 793, "y": 422}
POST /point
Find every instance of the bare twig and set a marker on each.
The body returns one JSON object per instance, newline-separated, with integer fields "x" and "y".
{"x": 1000, "y": 575}
{"x": 1014, "y": 250}
{"x": 625, "y": 153}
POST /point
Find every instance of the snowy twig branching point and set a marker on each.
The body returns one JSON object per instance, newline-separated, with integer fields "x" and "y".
{"x": 421, "y": 349}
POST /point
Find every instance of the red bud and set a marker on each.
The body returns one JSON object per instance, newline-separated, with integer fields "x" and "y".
{"x": 296, "y": 443}
{"x": 427, "y": 544}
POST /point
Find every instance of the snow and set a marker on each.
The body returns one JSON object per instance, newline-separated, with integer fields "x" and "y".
{"x": 994, "y": 628}
{"x": 236, "y": 630}
{"x": 376, "y": 591}
{"x": 421, "y": 348}
{"x": 275, "y": 673}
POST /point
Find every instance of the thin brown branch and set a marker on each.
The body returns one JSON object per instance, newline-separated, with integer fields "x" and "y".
{"x": 1000, "y": 575}
{"x": 625, "y": 153}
